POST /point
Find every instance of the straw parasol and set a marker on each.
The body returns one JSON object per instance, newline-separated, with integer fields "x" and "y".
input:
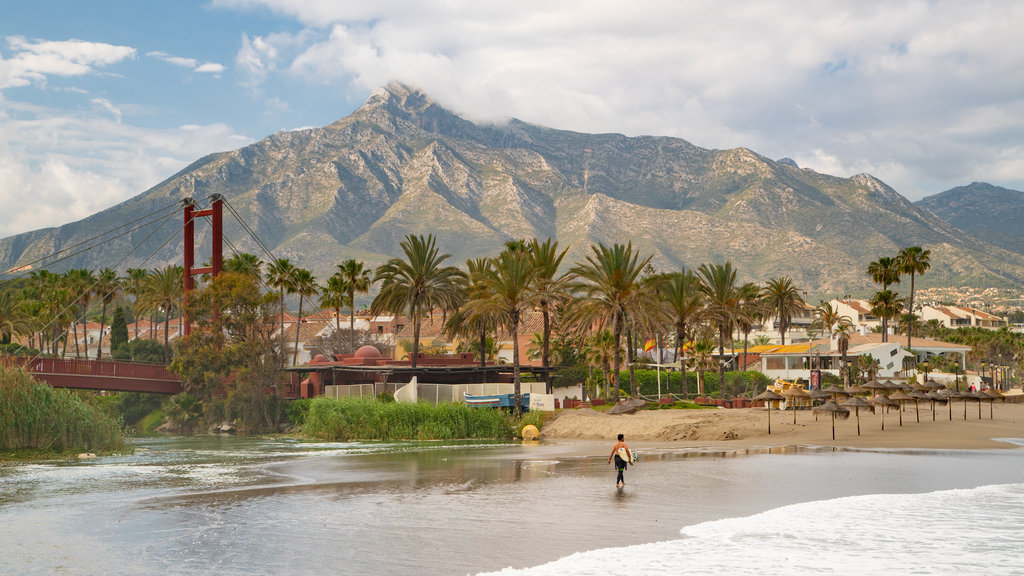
{"x": 900, "y": 397}
{"x": 836, "y": 391}
{"x": 918, "y": 395}
{"x": 857, "y": 390}
{"x": 933, "y": 385}
{"x": 994, "y": 395}
{"x": 835, "y": 410}
{"x": 818, "y": 395}
{"x": 793, "y": 393}
{"x": 950, "y": 395}
{"x": 856, "y": 402}
{"x": 937, "y": 397}
{"x": 769, "y": 397}
{"x": 882, "y": 400}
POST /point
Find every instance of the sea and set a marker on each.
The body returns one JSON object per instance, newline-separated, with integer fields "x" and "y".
{"x": 211, "y": 505}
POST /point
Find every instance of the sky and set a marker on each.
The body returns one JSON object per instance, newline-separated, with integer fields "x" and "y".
{"x": 101, "y": 100}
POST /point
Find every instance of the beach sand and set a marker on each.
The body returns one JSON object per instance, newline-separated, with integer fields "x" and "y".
{"x": 748, "y": 427}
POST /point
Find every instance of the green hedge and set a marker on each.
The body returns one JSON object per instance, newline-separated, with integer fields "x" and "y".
{"x": 737, "y": 383}
{"x": 342, "y": 419}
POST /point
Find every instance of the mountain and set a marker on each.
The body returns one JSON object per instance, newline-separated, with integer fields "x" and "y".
{"x": 402, "y": 164}
{"x": 989, "y": 213}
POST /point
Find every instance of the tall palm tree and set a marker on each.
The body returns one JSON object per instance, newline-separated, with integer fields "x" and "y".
{"x": 13, "y": 319}
{"x": 108, "y": 288}
{"x": 884, "y": 271}
{"x": 684, "y": 300}
{"x": 357, "y": 281}
{"x": 417, "y": 284}
{"x": 245, "y": 263}
{"x": 784, "y": 300}
{"x": 600, "y": 351}
{"x": 81, "y": 283}
{"x": 549, "y": 287}
{"x": 280, "y": 275}
{"x": 133, "y": 286}
{"x": 334, "y": 295}
{"x": 886, "y": 304}
{"x": 607, "y": 285}
{"x": 843, "y": 342}
{"x": 913, "y": 260}
{"x": 163, "y": 290}
{"x": 722, "y": 299}
{"x": 305, "y": 286}
{"x": 477, "y": 323}
{"x": 507, "y": 292}
{"x": 827, "y": 319}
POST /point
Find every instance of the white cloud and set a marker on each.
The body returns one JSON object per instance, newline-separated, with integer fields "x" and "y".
{"x": 57, "y": 167}
{"x": 190, "y": 63}
{"x": 875, "y": 83}
{"x": 33, "y": 60}
{"x": 210, "y": 68}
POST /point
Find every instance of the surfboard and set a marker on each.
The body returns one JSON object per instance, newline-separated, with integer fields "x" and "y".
{"x": 625, "y": 455}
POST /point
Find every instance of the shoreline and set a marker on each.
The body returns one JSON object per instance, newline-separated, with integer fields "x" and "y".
{"x": 747, "y": 428}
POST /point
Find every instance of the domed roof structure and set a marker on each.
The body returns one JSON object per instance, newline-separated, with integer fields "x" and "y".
{"x": 367, "y": 353}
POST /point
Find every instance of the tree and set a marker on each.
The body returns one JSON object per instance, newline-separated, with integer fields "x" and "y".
{"x": 133, "y": 286}
{"x": 721, "y": 304}
{"x": 305, "y": 286}
{"x": 884, "y": 271}
{"x": 244, "y": 263}
{"x": 606, "y": 286}
{"x": 334, "y": 295}
{"x": 280, "y": 276}
{"x": 827, "y": 319}
{"x": 417, "y": 284}
{"x": 357, "y": 281}
{"x": 913, "y": 260}
{"x": 13, "y": 320}
{"x": 80, "y": 282}
{"x": 163, "y": 290}
{"x": 600, "y": 352}
{"x": 108, "y": 288}
{"x": 548, "y": 286}
{"x": 684, "y": 300}
{"x": 783, "y": 298}
{"x": 886, "y": 304}
{"x": 843, "y": 342}
{"x": 477, "y": 323}
{"x": 118, "y": 330}
{"x": 751, "y": 308}
{"x": 507, "y": 292}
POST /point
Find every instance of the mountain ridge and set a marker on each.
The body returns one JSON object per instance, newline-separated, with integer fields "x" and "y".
{"x": 402, "y": 164}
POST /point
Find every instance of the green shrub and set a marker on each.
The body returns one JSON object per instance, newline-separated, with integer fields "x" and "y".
{"x": 296, "y": 410}
{"x": 150, "y": 422}
{"x": 352, "y": 418}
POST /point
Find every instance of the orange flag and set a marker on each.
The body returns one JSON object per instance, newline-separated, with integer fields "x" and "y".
{"x": 649, "y": 345}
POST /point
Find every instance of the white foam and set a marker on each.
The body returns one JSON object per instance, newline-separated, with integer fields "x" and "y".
{"x": 975, "y": 531}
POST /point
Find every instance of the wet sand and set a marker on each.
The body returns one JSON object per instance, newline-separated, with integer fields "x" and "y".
{"x": 748, "y": 427}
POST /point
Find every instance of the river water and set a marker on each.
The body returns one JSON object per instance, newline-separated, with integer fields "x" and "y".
{"x": 210, "y": 505}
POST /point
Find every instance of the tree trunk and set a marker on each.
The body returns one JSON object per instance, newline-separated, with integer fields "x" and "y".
{"x": 103, "y": 320}
{"x": 167, "y": 349}
{"x": 910, "y": 308}
{"x": 74, "y": 331}
{"x": 415, "y": 335}
{"x": 630, "y": 360}
{"x": 282, "y": 328}
{"x": 616, "y": 359}
{"x": 298, "y": 331}
{"x": 352, "y": 319}
{"x": 515, "y": 365}
{"x": 544, "y": 351}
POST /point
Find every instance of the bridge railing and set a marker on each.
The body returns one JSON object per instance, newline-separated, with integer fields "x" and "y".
{"x": 107, "y": 368}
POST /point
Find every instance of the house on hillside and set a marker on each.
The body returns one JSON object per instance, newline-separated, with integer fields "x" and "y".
{"x": 961, "y": 316}
{"x": 859, "y": 312}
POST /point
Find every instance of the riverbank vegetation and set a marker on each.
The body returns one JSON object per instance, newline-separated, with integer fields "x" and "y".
{"x": 343, "y": 419}
{"x": 42, "y": 420}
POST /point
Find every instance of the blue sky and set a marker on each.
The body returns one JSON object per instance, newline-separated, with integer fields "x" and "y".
{"x": 101, "y": 100}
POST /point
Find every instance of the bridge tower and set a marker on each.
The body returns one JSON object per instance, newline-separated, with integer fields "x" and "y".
{"x": 216, "y": 213}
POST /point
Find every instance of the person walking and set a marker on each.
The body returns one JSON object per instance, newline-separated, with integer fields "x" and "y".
{"x": 622, "y": 455}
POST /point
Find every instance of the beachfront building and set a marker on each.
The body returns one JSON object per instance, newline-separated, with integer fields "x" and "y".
{"x": 859, "y": 313}
{"x": 796, "y": 330}
{"x": 794, "y": 361}
{"x": 961, "y": 316}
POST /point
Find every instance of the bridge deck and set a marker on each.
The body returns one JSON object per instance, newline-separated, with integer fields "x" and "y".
{"x": 101, "y": 375}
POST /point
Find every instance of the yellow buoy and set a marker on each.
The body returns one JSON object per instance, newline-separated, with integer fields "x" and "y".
{"x": 530, "y": 432}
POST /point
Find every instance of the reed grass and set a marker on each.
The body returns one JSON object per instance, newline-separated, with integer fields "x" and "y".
{"x": 36, "y": 417}
{"x": 343, "y": 419}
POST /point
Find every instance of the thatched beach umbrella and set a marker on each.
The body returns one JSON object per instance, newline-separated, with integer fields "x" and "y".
{"x": 882, "y": 400}
{"x": 769, "y": 397}
{"x": 792, "y": 393}
{"x": 981, "y": 397}
{"x": 900, "y": 397}
{"x": 918, "y": 395}
{"x": 937, "y": 397}
{"x": 835, "y": 410}
{"x": 856, "y": 403}
{"x": 933, "y": 385}
{"x": 857, "y": 390}
{"x": 818, "y": 395}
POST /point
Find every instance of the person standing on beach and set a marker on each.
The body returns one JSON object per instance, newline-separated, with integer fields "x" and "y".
{"x": 620, "y": 463}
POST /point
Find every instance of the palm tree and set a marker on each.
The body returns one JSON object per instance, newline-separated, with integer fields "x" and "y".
{"x": 357, "y": 280}
{"x": 81, "y": 283}
{"x": 721, "y": 304}
{"x": 703, "y": 360}
{"x": 607, "y": 286}
{"x": 549, "y": 287}
{"x": 684, "y": 300}
{"x": 827, "y": 319}
{"x": 507, "y": 292}
{"x": 245, "y": 263}
{"x": 417, "y": 284}
{"x": 478, "y": 323}
{"x": 280, "y": 275}
{"x": 334, "y": 295}
{"x": 108, "y": 287}
{"x": 133, "y": 286}
{"x": 843, "y": 342}
{"x": 13, "y": 320}
{"x": 163, "y": 289}
{"x": 305, "y": 286}
{"x": 751, "y": 309}
{"x": 600, "y": 351}
{"x": 884, "y": 271}
{"x": 886, "y": 304}
{"x": 783, "y": 298}
{"x": 913, "y": 260}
